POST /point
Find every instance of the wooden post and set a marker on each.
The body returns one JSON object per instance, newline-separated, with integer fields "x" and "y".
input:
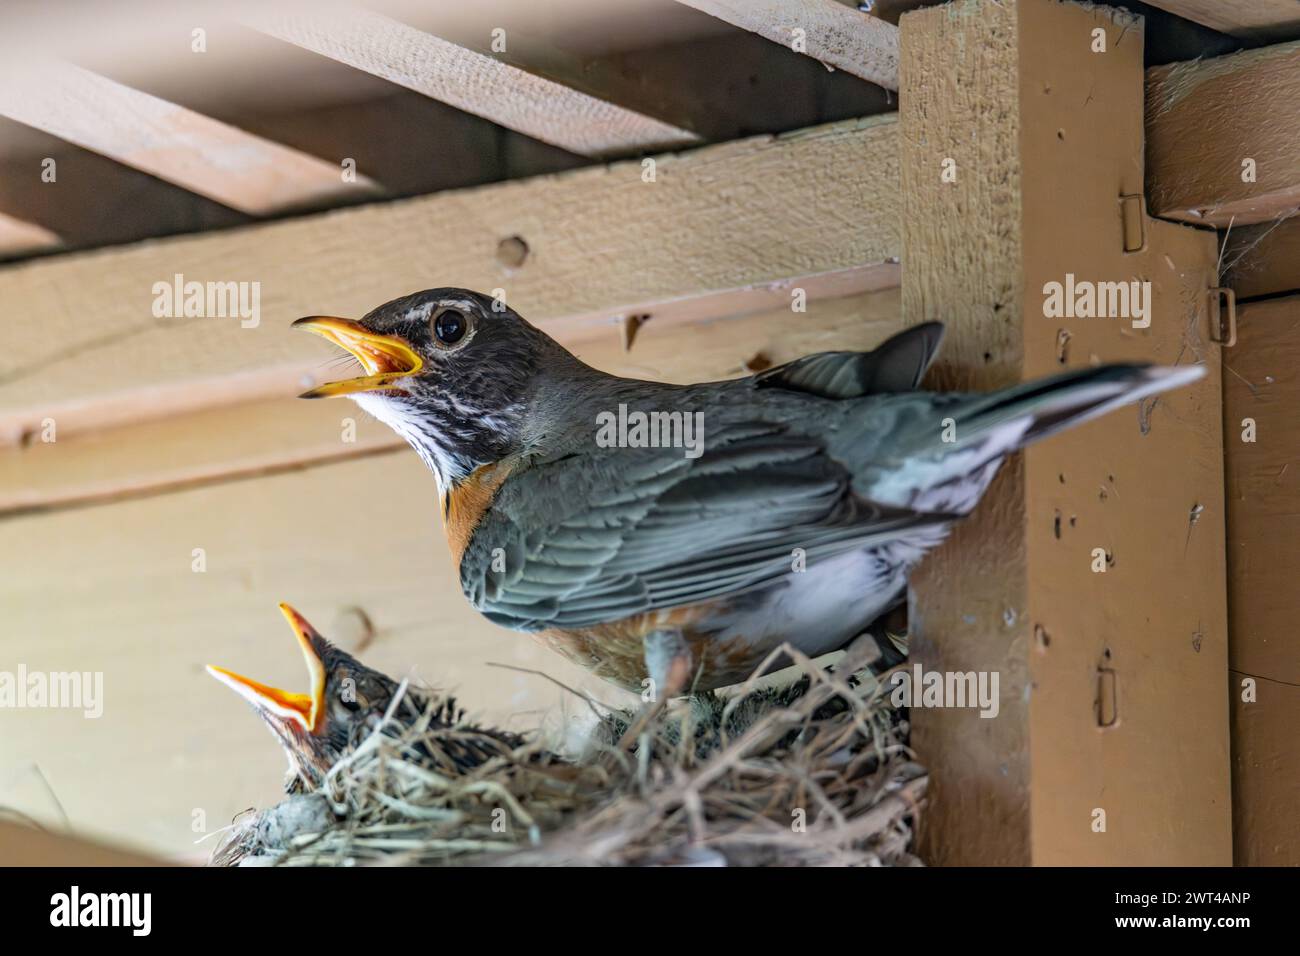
{"x": 1022, "y": 125}
{"x": 1262, "y": 445}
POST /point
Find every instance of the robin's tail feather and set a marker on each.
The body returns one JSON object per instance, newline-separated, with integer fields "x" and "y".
{"x": 1051, "y": 405}
{"x": 948, "y": 468}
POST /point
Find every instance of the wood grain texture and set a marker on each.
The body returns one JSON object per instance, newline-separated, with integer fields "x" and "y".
{"x": 962, "y": 249}
{"x": 1044, "y": 134}
{"x": 475, "y": 82}
{"x": 18, "y": 237}
{"x": 110, "y": 588}
{"x": 837, "y": 35}
{"x": 1265, "y": 781}
{"x": 235, "y": 168}
{"x": 602, "y": 242}
{"x": 1262, "y": 383}
{"x": 723, "y": 85}
{"x": 1252, "y": 19}
{"x": 255, "y": 438}
{"x": 1206, "y": 118}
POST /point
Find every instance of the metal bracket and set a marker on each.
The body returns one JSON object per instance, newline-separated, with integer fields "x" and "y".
{"x": 1132, "y": 210}
{"x": 1107, "y": 702}
{"x": 1221, "y": 332}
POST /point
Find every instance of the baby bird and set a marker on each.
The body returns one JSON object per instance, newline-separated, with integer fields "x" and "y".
{"x": 346, "y": 702}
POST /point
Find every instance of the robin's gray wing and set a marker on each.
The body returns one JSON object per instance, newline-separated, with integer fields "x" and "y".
{"x": 896, "y": 365}
{"x": 596, "y": 537}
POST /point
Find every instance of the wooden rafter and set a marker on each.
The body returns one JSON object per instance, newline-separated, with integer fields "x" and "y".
{"x": 831, "y": 32}
{"x": 1254, "y": 19}
{"x": 1223, "y": 137}
{"x": 471, "y": 81}
{"x": 235, "y": 168}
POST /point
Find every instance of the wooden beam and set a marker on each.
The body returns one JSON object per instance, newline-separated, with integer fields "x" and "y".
{"x": 1041, "y": 134}
{"x": 235, "y": 168}
{"x": 1251, "y": 19}
{"x": 1223, "y": 137}
{"x": 656, "y": 239}
{"x": 94, "y": 201}
{"x": 720, "y": 86}
{"x": 471, "y": 81}
{"x": 837, "y": 35}
{"x": 18, "y": 237}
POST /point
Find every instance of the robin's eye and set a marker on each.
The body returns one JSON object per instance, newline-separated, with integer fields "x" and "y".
{"x": 450, "y": 326}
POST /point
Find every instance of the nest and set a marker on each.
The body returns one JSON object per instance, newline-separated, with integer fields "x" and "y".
{"x": 816, "y": 772}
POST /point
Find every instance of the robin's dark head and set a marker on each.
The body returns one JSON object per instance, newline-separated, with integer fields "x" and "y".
{"x": 346, "y": 700}
{"x": 450, "y": 370}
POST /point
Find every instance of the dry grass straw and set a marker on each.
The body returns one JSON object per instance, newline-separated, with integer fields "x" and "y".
{"x": 813, "y": 773}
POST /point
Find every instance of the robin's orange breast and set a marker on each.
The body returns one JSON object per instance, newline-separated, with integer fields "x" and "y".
{"x": 464, "y": 504}
{"x": 615, "y": 651}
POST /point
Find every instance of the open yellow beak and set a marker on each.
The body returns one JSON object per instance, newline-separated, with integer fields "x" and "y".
{"x": 386, "y": 358}
{"x": 305, "y": 709}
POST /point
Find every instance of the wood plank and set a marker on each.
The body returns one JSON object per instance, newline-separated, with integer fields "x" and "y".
{"x": 1265, "y": 778}
{"x": 839, "y": 36}
{"x": 169, "y": 454}
{"x": 19, "y": 237}
{"x": 111, "y": 589}
{"x": 260, "y": 437}
{"x": 128, "y": 205}
{"x": 235, "y": 168}
{"x": 1261, "y": 385}
{"x": 820, "y": 205}
{"x": 1263, "y": 259}
{"x": 721, "y": 86}
{"x": 1251, "y": 19}
{"x": 26, "y": 846}
{"x": 471, "y": 81}
{"x": 1206, "y": 119}
{"x": 1043, "y": 135}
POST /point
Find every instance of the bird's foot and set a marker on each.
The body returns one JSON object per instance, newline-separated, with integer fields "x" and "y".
{"x": 668, "y": 662}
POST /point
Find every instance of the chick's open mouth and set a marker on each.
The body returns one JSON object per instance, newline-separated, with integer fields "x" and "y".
{"x": 303, "y": 709}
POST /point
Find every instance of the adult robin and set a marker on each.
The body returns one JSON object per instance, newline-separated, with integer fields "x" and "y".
{"x": 680, "y": 533}
{"x": 346, "y": 702}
